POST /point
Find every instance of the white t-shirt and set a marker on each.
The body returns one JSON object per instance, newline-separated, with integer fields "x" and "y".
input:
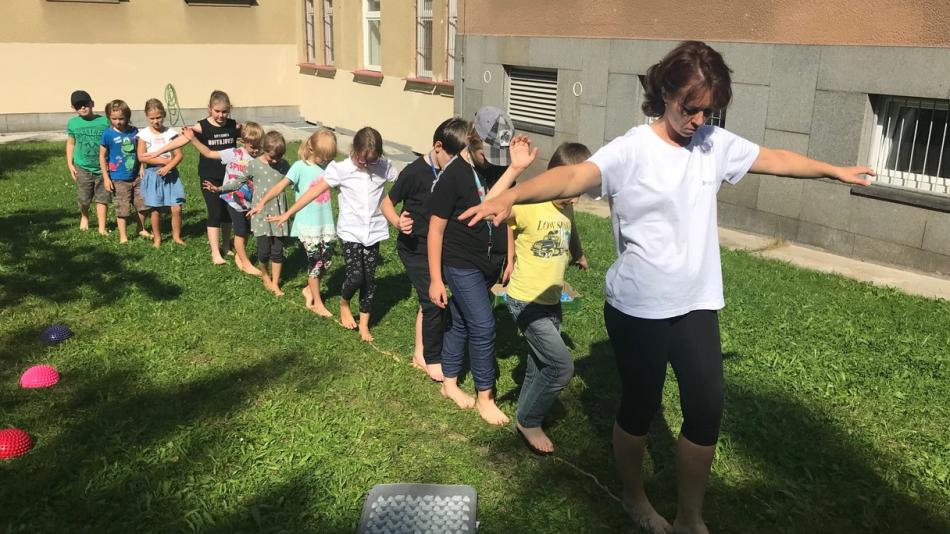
{"x": 663, "y": 213}
{"x": 155, "y": 141}
{"x": 360, "y": 219}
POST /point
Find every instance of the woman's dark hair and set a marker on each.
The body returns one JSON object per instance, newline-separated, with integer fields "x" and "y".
{"x": 688, "y": 70}
{"x": 569, "y": 154}
{"x": 453, "y": 134}
{"x": 367, "y": 141}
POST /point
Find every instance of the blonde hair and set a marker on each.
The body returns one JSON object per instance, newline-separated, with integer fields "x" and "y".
{"x": 219, "y": 97}
{"x": 119, "y": 105}
{"x": 252, "y": 134}
{"x": 153, "y": 104}
{"x": 274, "y": 144}
{"x": 319, "y": 147}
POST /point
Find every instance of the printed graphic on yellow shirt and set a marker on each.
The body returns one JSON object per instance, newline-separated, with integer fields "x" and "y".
{"x": 554, "y": 243}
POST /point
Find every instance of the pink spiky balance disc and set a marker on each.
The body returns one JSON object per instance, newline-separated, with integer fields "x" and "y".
{"x": 39, "y": 376}
{"x": 14, "y": 442}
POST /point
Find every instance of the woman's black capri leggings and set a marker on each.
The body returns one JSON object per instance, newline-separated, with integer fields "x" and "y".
{"x": 690, "y": 343}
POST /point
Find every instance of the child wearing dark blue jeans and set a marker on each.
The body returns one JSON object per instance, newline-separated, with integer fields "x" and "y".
{"x": 461, "y": 257}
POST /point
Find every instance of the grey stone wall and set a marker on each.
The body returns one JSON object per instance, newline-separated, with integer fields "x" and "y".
{"x": 44, "y": 122}
{"x": 810, "y": 99}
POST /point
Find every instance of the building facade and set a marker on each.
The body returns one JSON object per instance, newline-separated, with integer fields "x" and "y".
{"x": 341, "y": 63}
{"x": 852, "y": 82}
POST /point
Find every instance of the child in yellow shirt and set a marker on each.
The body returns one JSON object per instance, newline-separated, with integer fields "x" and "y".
{"x": 546, "y": 241}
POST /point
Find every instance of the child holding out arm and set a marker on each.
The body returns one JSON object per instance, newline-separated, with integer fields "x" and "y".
{"x": 313, "y": 225}
{"x": 361, "y": 226}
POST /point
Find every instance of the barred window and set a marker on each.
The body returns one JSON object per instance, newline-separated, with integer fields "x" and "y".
{"x": 910, "y": 144}
{"x": 424, "y": 38}
{"x": 327, "y": 32}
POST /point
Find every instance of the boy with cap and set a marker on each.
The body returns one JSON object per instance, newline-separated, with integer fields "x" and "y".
{"x": 84, "y": 131}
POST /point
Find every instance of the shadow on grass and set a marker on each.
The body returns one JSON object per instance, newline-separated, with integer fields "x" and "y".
{"x": 16, "y": 157}
{"x": 61, "y": 271}
{"x": 127, "y": 453}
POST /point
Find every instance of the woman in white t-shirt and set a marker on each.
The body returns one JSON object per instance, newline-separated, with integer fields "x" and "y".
{"x": 664, "y": 290}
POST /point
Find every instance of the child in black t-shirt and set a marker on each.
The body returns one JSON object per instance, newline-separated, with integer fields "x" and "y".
{"x": 412, "y": 189}
{"x": 461, "y": 256}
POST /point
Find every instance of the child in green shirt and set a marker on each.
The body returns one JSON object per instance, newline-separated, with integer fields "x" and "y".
{"x": 84, "y": 132}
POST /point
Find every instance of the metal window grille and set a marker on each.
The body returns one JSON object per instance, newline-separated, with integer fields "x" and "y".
{"x": 308, "y": 30}
{"x": 424, "y": 38}
{"x": 718, "y": 118}
{"x": 372, "y": 34}
{"x": 910, "y": 143}
{"x": 328, "y": 32}
{"x": 452, "y": 30}
{"x": 532, "y": 99}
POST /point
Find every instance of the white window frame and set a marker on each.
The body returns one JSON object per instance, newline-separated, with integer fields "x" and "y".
{"x": 424, "y": 38}
{"x": 451, "y": 30}
{"x": 309, "y": 31}
{"x": 890, "y": 123}
{"x": 327, "y": 32}
{"x": 369, "y": 16}
{"x": 531, "y": 98}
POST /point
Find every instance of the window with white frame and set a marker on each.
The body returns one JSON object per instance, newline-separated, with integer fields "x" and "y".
{"x": 910, "y": 143}
{"x": 309, "y": 31}
{"x": 451, "y": 31}
{"x": 532, "y": 99}
{"x": 424, "y": 38}
{"x": 327, "y": 32}
{"x": 372, "y": 36}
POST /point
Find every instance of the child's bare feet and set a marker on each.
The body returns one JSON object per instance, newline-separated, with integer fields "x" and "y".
{"x": 123, "y": 240}
{"x": 277, "y": 290}
{"x": 83, "y": 223}
{"x": 180, "y": 241}
{"x": 645, "y": 517}
{"x": 364, "y": 327}
{"x": 145, "y": 234}
{"x": 418, "y": 361}
{"x": 307, "y": 297}
{"x": 268, "y": 283}
{"x": 321, "y": 310}
{"x": 247, "y": 267}
{"x": 103, "y": 231}
{"x": 536, "y": 438}
{"x": 157, "y": 243}
{"x": 434, "y": 370}
{"x": 346, "y": 316}
{"x": 450, "y": 389}
{"x": 490, "y": 411}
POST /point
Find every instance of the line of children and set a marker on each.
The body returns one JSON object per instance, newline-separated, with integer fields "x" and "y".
{"x": 436, "y": 249}
{"x": 313, "y": 225}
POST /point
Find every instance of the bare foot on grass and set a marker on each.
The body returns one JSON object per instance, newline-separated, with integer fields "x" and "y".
{"x": 84, "y": 223}
{"x": 490, "y": 411}
{"x": 365, "y": 334}
{"x": 219, "y": 261}
{"x": 418, "y": 361}
{"x": 307, "y": 297}
{"x": 123, "y": 240}
{"x": 145, "y": 234}
{"x": 277, "y": 290}
{"x": 536, "y": 438}
{"x": 645, "y": 517}
{"x": 450, "y": 390}
{"x": 103, "y": 231}
{"x": 321, "y": 310}
{"x": 156, "y": 244}
{"x": 247, "y": 267}
{"x": 346, "y": 316}
{"x": 181, "y": 242}
{"x": 268, "y": 283}
{"x": 434, "y": 370}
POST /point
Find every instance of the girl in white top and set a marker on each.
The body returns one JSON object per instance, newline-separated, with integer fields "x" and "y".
{"x": 665, "y": 288}
{"x": 161, "y": 185}
{"x": 361, "y": 181}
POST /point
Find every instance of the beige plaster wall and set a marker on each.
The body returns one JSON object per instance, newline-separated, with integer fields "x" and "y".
{"x": 924, "y": 23}
{"x": 401, "y": 116}
{"x": 252, "y": 75}
{"x": 138, "y": 21}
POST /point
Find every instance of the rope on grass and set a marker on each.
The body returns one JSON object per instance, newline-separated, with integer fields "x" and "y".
{"x": 396, "y": 358}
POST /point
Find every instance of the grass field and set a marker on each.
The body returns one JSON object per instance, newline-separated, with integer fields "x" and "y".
{"x": 192, "y": 400}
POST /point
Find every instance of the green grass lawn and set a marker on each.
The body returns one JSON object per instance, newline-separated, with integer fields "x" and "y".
{"x": 192, "y": 400}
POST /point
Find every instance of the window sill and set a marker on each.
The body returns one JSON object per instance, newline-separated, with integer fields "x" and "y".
{"x": 365, "y": 73}
{"x": 319, "y": 68}
{"x": 430, "y": 81}
{"x": 903, "y": 196}
{"x": 533, "y": 128}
